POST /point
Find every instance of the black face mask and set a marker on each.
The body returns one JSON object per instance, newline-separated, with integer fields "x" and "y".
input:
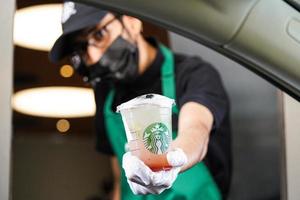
{"x": 119, "y": 63}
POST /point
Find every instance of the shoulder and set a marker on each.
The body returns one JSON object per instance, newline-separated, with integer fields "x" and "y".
{"x": 192, "y": 64}
{"x": 198, "y": 81}
{"x": 193, "y": 67}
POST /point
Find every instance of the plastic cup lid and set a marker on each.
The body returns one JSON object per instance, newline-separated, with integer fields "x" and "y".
{"x": 154, "y": 99}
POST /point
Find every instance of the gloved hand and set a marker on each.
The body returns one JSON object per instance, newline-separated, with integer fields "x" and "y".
{"x": 142, "y": 180}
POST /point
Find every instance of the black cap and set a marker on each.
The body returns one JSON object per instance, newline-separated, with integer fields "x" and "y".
{"x": 75, "y": 17}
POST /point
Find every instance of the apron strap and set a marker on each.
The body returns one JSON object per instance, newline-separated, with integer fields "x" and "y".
{"x": 168, "y": 76}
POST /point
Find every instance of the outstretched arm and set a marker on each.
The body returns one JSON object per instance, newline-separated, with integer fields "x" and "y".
{"x": 194, "y": 126}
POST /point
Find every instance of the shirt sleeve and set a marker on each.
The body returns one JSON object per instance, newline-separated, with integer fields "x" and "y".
{"x": 102, "y": 142}
{"x": 200, "y": 82}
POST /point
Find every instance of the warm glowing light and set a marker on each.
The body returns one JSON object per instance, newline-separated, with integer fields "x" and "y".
{"x": 63, "y": 125}
{"x": 66, "y": 71}
{"x": 37, "y": 27}
{"x": 57, "y": 102}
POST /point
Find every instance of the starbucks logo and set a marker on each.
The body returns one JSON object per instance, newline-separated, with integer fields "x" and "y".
{"x": 157, "y": 138}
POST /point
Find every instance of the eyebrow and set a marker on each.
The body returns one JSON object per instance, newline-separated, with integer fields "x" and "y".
{"x": 85, "y": 32}
{"x": 103, "y": 24}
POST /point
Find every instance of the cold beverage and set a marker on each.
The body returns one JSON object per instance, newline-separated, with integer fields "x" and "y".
{"x": 147, "y": 121}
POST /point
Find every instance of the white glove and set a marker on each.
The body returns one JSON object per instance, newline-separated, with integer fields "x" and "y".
{"x": 142, "y": 180}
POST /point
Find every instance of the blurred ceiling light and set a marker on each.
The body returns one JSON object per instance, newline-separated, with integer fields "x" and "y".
{"x": 66, "y": 71}
{"x": 56, "y": 102}
{"x": 37, "y": 27}
{"x": 63, "y": 125}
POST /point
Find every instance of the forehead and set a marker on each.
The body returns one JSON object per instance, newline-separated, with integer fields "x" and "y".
{"x": 105, "y": 19}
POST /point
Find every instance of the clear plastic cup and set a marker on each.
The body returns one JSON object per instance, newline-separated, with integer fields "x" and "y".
{"x": 148, "y": 124}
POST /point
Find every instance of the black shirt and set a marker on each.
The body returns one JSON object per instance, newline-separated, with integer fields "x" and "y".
{"x": 196, "y": 81}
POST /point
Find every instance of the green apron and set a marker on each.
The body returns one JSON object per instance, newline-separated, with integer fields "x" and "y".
{"x": 193, "y": 184}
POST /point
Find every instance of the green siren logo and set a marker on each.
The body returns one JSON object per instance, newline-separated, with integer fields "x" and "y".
{"x": 157, "y": 138}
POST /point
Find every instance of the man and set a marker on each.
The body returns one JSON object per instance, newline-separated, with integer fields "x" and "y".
{"x": 111, "y": 53}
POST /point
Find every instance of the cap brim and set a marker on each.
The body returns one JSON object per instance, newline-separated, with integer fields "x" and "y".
{"x": 62, "y": 46}
{"x": 60, "y": 49}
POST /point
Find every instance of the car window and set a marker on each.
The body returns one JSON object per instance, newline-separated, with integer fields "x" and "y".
{"x": 245, "y": 45}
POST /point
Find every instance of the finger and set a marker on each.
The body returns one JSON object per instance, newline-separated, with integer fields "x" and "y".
{"x": 161, "y": 179}
{"x": 165, "y": 178}
{"x": 135, "y": 170}
{"x": 177, "y": 158}
{"x": 135, "y": 188}
{"x": 143, "y": 190}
